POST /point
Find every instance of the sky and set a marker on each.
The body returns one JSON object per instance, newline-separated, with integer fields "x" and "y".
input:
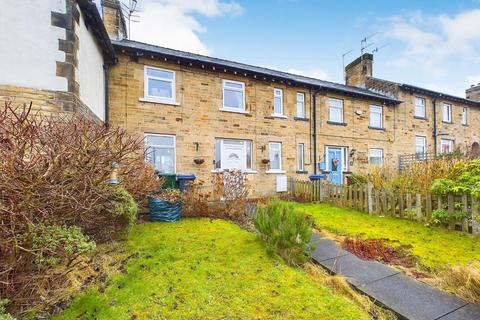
{"x": 431, "y": 44}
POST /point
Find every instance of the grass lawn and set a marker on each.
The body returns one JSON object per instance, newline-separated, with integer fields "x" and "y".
{"x": 434, "y": 247}
{"x": 207, "y": 269}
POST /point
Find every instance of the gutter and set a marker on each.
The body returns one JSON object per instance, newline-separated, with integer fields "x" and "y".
{"x": 435, "y": 127}
{"x": 314, "y": 135}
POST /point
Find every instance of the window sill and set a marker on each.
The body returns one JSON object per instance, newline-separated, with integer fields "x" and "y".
{"x": 275, "y": 171}
{"x": 376, "y": 128}
{"x": 447, "y": 122}
{"x": 233, "y": 110}
{"x": 420, "y": 118}
{"x": 280, "y": 116}
{"x": 173, "y": 103}
{"x": 300, "y": 119}
{"x": 337, "y": 123}
{"x": 465, "y": 125}
{"x": 301, "y": 172}
{"x": 223, "y": 170}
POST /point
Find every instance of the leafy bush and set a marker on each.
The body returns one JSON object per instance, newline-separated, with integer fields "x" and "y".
{"x": 285, "y": 230}
{"x": 51, "y": 244}
{"x": 54, "y": 172}
{"x": 439, "y": 217}
{"x": 3, "y": 313}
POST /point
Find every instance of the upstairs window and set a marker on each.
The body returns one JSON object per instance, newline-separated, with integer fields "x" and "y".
{"x": 278, "y": 102}
{"x": 233, "y": 95}
{"x": 420, "y": 108}
{"x": 335, "y": 113}
{"x": 376, "y": 117}
{"x": 275, "y": 155}
{"x": 301, "y": 105}
{"x": 464, "y": 116}
{"x": 446, "y": 146}
{"x": 159, "y": 84}
{"x": 375, "y": 157}
{"x": 160, "y": 150}
{"x": 447, "y": 113}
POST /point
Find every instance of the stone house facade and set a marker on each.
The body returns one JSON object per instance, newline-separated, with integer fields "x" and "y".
{"x": 203, "y": 115}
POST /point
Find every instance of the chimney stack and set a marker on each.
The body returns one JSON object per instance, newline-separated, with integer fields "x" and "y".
{"x": 473, "y": 93}
{"x": 359, "y": 70}
{"x": 113, "y": 19}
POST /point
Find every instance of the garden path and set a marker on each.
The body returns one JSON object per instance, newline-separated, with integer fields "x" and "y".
{"x": 407, "y": 297}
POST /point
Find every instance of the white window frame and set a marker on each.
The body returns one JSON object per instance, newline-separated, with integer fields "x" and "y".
{"x": 242, "y": 90}
{"x": 330, "y": 106}
{"x": 171, "y": 100}
{"x": 424, "y": 145}
{"x": 279, "y": 170}
{"x": 301, "y": 157}
{"x": 301, "y": 102}
{"x": 377, "y": 110}
{"x": 423, "y": 106}
{"x": 449, "y": 142}
{"x": 147, "y": 146}
{"x": 465, "y": 116}
{"x": 370, "y": 156}
{"x": 245, "y": 164}
{"x": 278, "y": 93}
{"x": 447, "y": 113}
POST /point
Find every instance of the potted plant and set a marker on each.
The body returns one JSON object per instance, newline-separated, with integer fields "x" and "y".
{"x": 165, "y": 205}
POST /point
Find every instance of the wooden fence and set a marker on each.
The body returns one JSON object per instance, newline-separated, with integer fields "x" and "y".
{"x": 463, "y": 211}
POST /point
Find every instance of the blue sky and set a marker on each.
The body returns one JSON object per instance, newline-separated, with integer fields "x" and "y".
{"x": 433, "y": 44}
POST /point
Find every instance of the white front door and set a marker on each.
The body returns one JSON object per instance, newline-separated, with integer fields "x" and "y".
{"x": 233, "y": 155}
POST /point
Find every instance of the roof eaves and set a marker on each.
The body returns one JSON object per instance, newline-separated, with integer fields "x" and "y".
{"x": 264, "y": 73}
{"x": 436, "y": 94}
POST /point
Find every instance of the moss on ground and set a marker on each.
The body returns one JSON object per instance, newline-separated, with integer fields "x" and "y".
{"x": 207, "y": 269}
{"x": 434, "y": 247}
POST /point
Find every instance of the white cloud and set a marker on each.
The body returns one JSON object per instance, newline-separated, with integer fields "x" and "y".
{"x": 172, "y": 23}
{"x": 433, "y": 39}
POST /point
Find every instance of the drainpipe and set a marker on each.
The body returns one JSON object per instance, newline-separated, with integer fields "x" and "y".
{"x": 434, "y": 127}
{"x": 314, "y": 135}
{"x": 105, "y": 79}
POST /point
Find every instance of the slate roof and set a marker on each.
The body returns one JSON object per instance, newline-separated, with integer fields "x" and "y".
{"x": 139, "y": 47}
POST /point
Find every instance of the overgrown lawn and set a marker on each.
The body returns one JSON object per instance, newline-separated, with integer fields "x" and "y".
{"x": 434, "y": 247}
{"x": 207, "y": 269}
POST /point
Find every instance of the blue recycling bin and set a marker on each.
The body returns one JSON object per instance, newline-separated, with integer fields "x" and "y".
{"x": 183, "y": 179}
{"x": 315, "y": 177}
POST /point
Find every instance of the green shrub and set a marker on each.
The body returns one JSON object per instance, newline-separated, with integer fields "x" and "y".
{"x": 285, "y": 230}
{"x": 124, "y": 205}
{"x": 439, "y": 217}
{"x": 55, "y": 244}
{"x": 442, "y": 186}
{"x": 3, "y": 313}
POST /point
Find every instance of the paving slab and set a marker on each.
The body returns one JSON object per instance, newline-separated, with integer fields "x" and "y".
{"x": 412, "y": 299}
{"x": 357, "y": 271}
{"x": 469, "y": 312}
{"x": 326, "y": 249}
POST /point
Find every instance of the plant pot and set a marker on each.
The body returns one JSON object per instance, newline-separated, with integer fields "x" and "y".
{"x": 265, "y": 161}
{"x": 199, "y": 160}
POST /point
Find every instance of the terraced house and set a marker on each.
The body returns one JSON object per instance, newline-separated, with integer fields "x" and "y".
{"x": 202, "y": 115}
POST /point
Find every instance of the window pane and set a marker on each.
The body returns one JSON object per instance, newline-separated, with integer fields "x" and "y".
{"x": 249, "y": 154}
{"x": 335, "y": 103}
{"x": 300, "y": 157}
{"x": 300, "y": 105}
{"x": 160, "y": 73}
{"x": 277, "y": 105}
{"x": 464, "y": 116}
{"x": 420, "y": 145}
{"x": 376, "y": 156}
{"x": 275, "y": 156}
{"x": 160, "y": 88}
{"x": 218, "y": 154}
{"x": 233, "y": 85}
{"x": 336, "y": 114}
{"x": 162, "y": 158}
{"x": 419, "y": 107}
{"x": 233, "y": 99}
{"x": 153, "y": 140}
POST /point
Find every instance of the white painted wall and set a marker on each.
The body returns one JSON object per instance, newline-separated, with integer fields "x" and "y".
{"x": 89, "y": 74}
{"x": 29, "y": 44}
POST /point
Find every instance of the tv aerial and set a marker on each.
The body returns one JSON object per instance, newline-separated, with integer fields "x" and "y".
{"x": 130, "y": 12}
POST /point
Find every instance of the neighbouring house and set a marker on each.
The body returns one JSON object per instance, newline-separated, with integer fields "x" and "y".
{"x": 57, "y": 57}
{"x": 202, "y": 115}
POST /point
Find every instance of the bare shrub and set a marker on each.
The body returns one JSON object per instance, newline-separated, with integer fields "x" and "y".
{"x": 463, "y": 280}
{"x": 53, "y": 172}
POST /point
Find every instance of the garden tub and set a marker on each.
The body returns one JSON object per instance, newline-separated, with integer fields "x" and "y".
{"x": 162, "y": 210}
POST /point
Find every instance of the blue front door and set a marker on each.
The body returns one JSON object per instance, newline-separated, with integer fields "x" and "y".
{"x": 335, "y": 165}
